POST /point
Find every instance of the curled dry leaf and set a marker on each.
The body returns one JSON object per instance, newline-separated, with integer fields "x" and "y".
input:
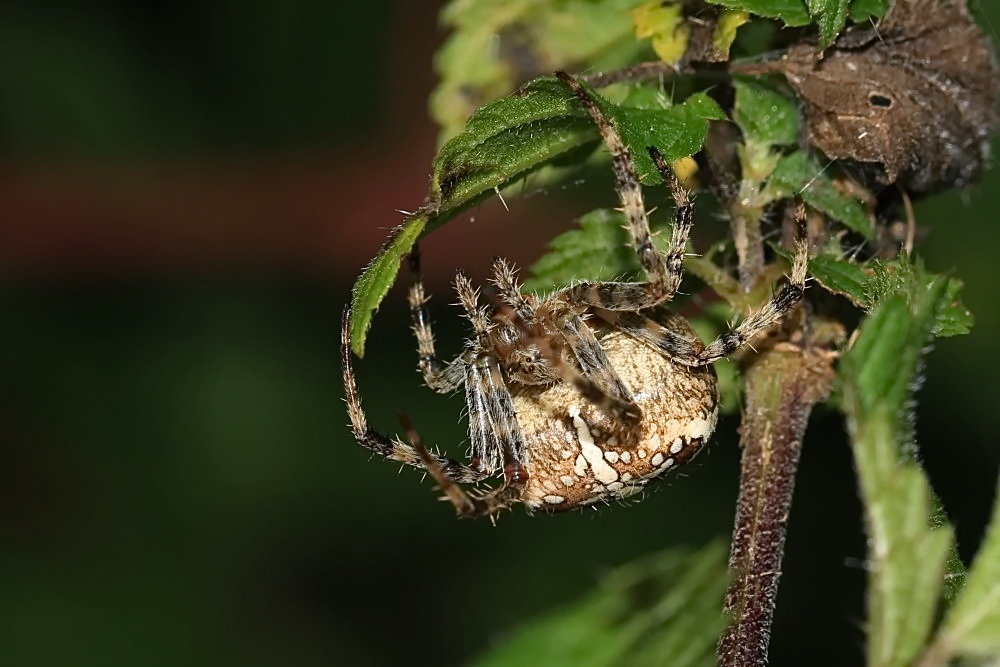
{"x": 916, "y": 95}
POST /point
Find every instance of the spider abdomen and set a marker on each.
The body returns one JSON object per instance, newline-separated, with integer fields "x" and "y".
{"x": 577, "y": 454}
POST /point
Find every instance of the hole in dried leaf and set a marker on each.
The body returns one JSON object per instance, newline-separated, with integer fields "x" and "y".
{"x": 877, "y": 100}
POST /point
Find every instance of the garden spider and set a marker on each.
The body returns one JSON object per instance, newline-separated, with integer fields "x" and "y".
{"x": 583, "y": 396}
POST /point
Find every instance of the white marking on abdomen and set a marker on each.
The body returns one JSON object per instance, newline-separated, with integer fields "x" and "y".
{"x": 603, "y": 472}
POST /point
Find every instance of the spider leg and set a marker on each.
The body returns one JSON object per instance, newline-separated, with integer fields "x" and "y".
{"x": 505, "y": 280}
{"x": 493, "y": 425}
{"x": 595, "y": 379}
{"x": 787, "y": 298}
{"x": 440, "y": 379}
{"x": 486, "y": 449}
{"x": 693, "y": 353}
{"x": 390, "y": 448}
{"x": 515, "y": 327}
{"x": 663, "y": 270}
{"x": 664, "y": 339}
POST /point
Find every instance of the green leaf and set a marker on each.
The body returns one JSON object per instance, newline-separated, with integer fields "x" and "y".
{"x": 677, "y": 131}
{"x": 765, "y": 116}
{"x": 665, "y": 25}
{"x": 830, "y": 16}
{"x": 792, "y": 12}
{"x": 799, "y": 174}
{"x": 908, "y": 553}
{"x": 508, "y": 139}
{"x": 863, "y": 11}
{"x": 767, "y": 119}
{"x": 503, "y": 141}
{"x": 379, "y": 276}
{"x": 972, "y": 626}
{"x": 494, "y": 45}
{"x": 599, "y": 250}
{"x": 662, "y": 609}
{"x": 729, "y": 23}
{"x": 866, "y": 285}
{"x": 911, "y": 280}
{"x": 841, "y": 276}
{"x": 954, "y": 319}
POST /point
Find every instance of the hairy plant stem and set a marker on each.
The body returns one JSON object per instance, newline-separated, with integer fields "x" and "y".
{"x": 744, "y": 222}
{"x": 782, "y": 386}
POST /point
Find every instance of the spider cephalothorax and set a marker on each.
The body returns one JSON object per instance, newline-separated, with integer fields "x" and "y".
{"x": 588, "y": 394}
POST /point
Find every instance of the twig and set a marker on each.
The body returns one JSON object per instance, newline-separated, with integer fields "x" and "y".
{"x": 640, "y": 72}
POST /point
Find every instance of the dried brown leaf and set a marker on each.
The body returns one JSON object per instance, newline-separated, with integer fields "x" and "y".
{"x": 916, "y": 95}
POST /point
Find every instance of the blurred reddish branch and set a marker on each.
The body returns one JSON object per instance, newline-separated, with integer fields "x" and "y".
{"x": 314, "y": 217}
{"x": 323, "y": 213}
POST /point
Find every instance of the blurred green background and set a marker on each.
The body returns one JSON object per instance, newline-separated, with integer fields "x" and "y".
{"x": 187, "y": 190}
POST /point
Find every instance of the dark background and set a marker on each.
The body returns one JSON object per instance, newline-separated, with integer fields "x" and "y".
{"x": 187, "y": 191}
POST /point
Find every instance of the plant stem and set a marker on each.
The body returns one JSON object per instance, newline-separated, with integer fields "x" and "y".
{"x": 782, "y": 386}
{"x": 639, "y": 72}
{"x": 744, "y": 223}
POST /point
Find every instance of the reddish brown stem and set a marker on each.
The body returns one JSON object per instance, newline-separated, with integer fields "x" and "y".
{"x": 782, "y": 387}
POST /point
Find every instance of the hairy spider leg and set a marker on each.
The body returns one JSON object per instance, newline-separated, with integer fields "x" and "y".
{"x": 491, "y": 420}
{"x": 466, "y": 504}
{"x": 486, "y": 451}
{"x": 595, "y": 378}
{"x": 390, "y": 448}
{"x": 693, "y": 353}
{"x": 493, "y": 427}
{"x": 444, "y": 379}
{"x": 664, "y": 271}
{"x": 515, "y": 317}
{"x": 505, "y": 280}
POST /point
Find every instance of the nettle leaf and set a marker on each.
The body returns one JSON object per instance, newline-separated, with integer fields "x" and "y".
{"x": 729, "y": 23}
{"x": 954, "y": 319}
{"x": 911, "y": 280}
{"x": 799, "y": 174}
{"x": 867, "y": 285}
{"x": 599, "y": 250}
{"x": 868, "y": 10}
{"x": 842, "y": 277}
{"x": 495, "y": 45}
{"x": 830, "y": 16}
{"x": 792, "y": 12}
{"x": 503, "y": 141}
{"x": 662, "y": 609}
{"x": 909, "y": 546}
{"x": 972, "y": 626}
{"x": 767, "y": 120}
{"x": 764, "y": 115}
{"x": 677, "y": 130}
{"x": 510, "y": 138}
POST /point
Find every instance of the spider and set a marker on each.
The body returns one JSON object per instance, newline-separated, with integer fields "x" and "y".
{"x": 586, "y": 395}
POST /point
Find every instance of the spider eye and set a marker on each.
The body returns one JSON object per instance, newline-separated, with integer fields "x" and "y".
{"x": 877, "y": 100}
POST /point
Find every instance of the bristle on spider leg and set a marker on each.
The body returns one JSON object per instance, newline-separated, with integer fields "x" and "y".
{"x": 463, "y": 504}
